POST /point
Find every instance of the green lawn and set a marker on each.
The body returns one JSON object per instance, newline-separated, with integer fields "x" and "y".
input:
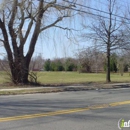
{"x": 75, "y": 77}
{"x": 4, "y": 77}
{"x": 71, "y": 77}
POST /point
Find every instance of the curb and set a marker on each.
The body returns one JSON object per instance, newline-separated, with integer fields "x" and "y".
{"x": 17, "y": 91}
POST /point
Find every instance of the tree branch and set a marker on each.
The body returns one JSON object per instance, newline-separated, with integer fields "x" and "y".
{"x": 28, "y": 30}
{"x": 35, "y": 32}
{"x": 53, "y": 24}
{"x": 6, "y": 40}
{"x": 10, "y": 26}
{"x": 65, "y": 28}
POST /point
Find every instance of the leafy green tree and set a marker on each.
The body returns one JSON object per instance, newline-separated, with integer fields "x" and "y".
{"x": 56, "y": 65}
{"x": 47, "y": 65}
{"x": 70, "y": 65}
{"x": 113, "y": 63}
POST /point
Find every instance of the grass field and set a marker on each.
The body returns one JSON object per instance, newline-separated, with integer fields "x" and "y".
{"x": 4, "y": 77}
{"x": 71, "y": 77}
{"x": 75, "y": 77}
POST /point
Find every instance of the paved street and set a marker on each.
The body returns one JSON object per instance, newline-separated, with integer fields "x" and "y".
{"x": 83, "y": 110}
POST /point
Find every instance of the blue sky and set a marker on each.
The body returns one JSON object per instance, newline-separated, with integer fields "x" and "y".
{"x": 54, "y": 43}
{"x": 63, "y": 47}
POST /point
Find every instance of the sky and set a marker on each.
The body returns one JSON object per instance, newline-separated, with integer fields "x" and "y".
{"x": 58, "y": 43}
{"x": 63, "y": 47}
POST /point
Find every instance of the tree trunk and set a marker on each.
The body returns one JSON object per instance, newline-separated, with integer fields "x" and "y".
{"x": 20, "y": 71}
{"x": 108, "y": 65}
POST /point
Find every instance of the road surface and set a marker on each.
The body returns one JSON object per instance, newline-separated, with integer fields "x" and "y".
{"x": 83, "y": 110}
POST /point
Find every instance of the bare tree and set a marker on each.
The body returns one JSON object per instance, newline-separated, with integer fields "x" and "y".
{"x": 18, "y": 19}
{"x": 36, "y": 63}
{"x": 91, "y": 60}
{"x": 107, "y": 29}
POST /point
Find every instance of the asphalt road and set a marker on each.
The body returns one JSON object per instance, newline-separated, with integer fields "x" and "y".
{"x": 83, "y": 110}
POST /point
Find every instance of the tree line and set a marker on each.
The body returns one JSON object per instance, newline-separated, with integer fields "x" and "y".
{"x": 68, "y": 64}
{"x": 89, "y": 61}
